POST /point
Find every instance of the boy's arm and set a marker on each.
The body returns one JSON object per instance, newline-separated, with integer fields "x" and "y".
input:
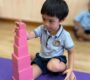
{"x": 30, "y": 35}
{"x": 71, "y": 55}
{"x": 70, "y": 66}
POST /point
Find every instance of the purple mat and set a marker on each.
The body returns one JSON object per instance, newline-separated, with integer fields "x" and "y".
{"x": 6, "y": 73}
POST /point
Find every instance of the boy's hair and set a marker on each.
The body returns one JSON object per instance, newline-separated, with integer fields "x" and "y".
{"x": 58, "y": 8}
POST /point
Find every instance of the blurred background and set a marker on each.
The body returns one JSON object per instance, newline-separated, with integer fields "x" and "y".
{"x": 29, "y": 12}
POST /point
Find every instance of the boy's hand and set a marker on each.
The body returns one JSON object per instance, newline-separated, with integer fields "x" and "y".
{"x": 28, "y": 36}
{"x": 69, "y": 75}
{"x": 16, "y": 29}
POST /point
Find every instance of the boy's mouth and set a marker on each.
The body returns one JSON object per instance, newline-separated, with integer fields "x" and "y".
{"x": 49, "y": 29}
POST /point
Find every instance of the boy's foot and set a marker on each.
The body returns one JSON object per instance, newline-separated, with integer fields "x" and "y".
{"x": 73, "y": 77}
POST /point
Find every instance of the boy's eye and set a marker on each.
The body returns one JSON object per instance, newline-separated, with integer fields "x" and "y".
{"x": 51, "y": 21}
{"x": 48, "y": 20}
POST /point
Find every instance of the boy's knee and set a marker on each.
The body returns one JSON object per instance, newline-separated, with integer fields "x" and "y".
{"x": 56, "y": 66}
{"x": 53, "y": 68}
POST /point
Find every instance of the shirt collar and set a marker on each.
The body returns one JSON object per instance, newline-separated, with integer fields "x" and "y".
{"x": 57, "y": 34}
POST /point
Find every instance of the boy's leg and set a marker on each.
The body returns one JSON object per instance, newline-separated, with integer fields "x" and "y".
{"x": 55, "y": 65}
{"x": 36, "y": 71}
{"x": 32, "y": 56}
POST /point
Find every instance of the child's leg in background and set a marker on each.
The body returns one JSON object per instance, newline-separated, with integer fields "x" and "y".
{"x": 81, "y": 34}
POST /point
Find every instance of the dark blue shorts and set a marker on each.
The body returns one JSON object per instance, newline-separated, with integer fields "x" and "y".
{"x": 42, "y": 62}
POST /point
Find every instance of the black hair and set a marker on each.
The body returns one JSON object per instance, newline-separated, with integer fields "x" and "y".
{"x": 58, "y": 8}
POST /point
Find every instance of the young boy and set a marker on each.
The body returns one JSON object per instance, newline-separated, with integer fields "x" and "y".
{"x": 54, "y": 39}
{"x": 82, "y": 25}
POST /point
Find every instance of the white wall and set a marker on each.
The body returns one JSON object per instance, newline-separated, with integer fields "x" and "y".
{"x": 30, "y": 9}
{"x": 75, "y": 7}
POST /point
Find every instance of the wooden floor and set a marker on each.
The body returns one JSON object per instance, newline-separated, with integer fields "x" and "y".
{"x": 82, "y": 59}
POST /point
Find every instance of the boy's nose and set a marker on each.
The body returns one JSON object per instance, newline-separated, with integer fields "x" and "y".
{"x": 46, "y": 24}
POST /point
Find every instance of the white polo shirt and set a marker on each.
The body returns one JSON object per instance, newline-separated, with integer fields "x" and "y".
{"x": 52, "y": 46}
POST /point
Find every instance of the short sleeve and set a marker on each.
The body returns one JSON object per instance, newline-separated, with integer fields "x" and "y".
{"x": 79, "y": 17}
{"x": 68, "y": 41}
{"x": 38, "y": 31}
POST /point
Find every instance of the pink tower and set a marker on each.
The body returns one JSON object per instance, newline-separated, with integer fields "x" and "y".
{"x": 22, "y": 69}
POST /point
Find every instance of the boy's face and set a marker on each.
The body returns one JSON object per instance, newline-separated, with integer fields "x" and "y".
{"x": 51, "y": 23}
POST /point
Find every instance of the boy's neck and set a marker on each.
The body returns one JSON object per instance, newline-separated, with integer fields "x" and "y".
{"x": 55, "y": 32}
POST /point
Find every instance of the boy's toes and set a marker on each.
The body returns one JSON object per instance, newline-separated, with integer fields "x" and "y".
{"x": 73, "y": 77}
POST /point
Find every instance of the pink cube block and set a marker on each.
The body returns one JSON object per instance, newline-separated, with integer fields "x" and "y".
{"x": 21, "y": 25}
{"x": 20, "y": 63}
{"x": 21, "y": 33}
{"x": 25, "y": 74}
{"x": 20, "y": 51}
{"x": 20, "y": 41}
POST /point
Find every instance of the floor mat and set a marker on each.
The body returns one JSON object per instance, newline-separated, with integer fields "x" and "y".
{"x": 6, "y": 73}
